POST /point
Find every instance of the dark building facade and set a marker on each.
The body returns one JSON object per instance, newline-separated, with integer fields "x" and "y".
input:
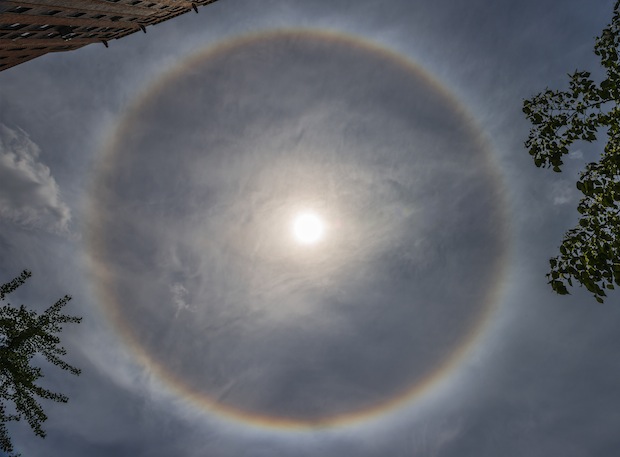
{"x": 29, "y": 29}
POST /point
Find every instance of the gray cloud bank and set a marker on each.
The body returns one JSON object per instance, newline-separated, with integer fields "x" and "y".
{"x": 29, "y": 194}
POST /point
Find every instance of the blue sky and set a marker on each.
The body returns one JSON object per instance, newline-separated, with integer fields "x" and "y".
{"x": 159, "y": 192}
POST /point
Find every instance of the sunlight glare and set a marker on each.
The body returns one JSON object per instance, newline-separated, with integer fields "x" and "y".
{"x": 308, "y": 228}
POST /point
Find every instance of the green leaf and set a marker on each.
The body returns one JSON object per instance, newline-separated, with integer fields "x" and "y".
{"x": 26, "y": 335}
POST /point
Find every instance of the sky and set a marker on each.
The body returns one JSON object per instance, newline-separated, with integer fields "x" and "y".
{"x": 160, "y": 183}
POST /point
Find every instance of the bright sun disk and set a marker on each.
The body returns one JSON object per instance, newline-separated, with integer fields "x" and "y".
{"x": 308, "y": 228}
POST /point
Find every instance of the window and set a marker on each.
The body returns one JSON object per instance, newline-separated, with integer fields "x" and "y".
{"x": 66, "y": 31}
{"x": 50, "y": 13}
{"x": 79, "y": 14}
{"x": 18, "y": 9}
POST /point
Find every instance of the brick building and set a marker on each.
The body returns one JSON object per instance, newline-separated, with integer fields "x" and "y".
{"x": 29, "y": 29}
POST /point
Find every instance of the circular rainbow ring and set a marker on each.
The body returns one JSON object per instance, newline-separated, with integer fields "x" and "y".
{"x": 405, "y": 397}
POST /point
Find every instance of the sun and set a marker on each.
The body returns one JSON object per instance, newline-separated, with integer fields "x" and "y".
{"x": 308, "y": 228}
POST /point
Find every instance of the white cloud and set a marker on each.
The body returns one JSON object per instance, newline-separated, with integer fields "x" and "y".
{"x": 563, "y": 192}
{"x": 179, "y": 294}
{"x": 575, "y": 155}
{"x": 29, "y": 194}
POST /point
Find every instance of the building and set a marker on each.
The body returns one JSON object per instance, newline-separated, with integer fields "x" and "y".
{"x": 29, "y": 29}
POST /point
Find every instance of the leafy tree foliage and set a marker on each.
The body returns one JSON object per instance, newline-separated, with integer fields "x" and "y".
{"x": 587, "y": 111}
{"x": 24, "y": 334}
